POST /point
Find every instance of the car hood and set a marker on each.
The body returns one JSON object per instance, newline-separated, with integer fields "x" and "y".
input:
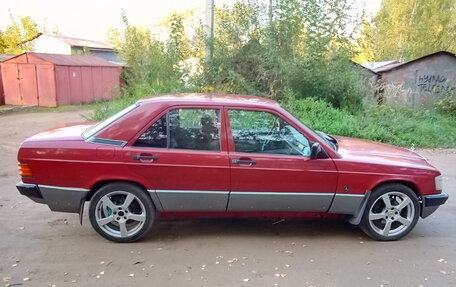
{"x": 67, "y": 132}
{"x": 375, "y": 152}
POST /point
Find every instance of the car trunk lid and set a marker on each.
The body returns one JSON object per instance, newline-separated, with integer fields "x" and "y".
{"x": 68, "y": 132}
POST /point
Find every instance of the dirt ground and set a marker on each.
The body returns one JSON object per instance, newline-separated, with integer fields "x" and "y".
{"x": 43, "y": 248}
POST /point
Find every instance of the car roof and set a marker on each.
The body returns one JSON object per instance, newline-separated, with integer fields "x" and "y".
{"x": 209, "y": 99}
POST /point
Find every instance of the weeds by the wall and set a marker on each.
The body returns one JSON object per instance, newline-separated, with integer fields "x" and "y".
{"x": 396, "y": 125}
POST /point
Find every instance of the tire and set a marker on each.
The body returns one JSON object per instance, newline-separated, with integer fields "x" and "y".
{"x": 121, "y": 212}
{"x": 391, "y": 212}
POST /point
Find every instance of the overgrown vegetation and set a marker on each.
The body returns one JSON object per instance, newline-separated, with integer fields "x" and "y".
{"x": 447, "y": 102}
{"x": 297, "y": 52}
{"x": 396, "y": 125}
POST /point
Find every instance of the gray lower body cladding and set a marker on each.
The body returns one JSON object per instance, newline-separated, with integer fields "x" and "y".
{"x": 279, "y": 201}
{"x": 243, "y": 201}
{"x": 63, "y": 199}
{"x": 190, "y": 200}
{"x": 69, "y": 199}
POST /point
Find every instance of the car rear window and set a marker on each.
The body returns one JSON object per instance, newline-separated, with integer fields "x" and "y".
{"x": 93, "y": 130}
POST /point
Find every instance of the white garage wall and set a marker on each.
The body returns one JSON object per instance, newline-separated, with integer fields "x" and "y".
{"x": 46, "y": 44}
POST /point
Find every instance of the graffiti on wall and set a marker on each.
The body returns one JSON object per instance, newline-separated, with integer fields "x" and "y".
{"x": 432, "y": 83}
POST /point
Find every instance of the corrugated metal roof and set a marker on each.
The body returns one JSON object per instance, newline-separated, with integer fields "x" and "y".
{"x": 82, "y": 42}
{"x": 394, "y": 66}
{"x": 363, "y": 67}
{"x": 4, "y": 57}
{"x": 388, "y": 67}
{"x": 376, "y": 65}
{"x": 74, "y": 60}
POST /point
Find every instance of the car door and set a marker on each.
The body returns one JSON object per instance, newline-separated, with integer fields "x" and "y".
{"x": 184, "y": 160}
{"x": 271, "y": 168}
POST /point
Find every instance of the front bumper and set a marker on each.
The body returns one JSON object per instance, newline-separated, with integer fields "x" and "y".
{"x": 430, "y": 203}
{"x": 64, "y": 199}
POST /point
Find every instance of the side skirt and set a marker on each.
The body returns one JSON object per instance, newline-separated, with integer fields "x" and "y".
{"x": 279, "y": 201}
{"x": 225, "y": 202}
{"x": 189, "y": 200}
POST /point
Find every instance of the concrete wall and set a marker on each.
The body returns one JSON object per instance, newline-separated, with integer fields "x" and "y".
{"x": 422, "y": 82}
{"x": 370, "y": 80}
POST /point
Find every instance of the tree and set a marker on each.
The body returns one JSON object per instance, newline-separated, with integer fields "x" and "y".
{"x": 299, "y": 47}
{"x": 410, "y": 29}
{"x": 15, "y": 39}
{"x": 150, "y": 66}
{"x": 434, "y": 28}
{"x": 178, "y": 43}
{"x": 293, "y": 45}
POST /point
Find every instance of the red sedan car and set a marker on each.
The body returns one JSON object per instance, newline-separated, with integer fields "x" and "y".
{"x": 231, "y": 155}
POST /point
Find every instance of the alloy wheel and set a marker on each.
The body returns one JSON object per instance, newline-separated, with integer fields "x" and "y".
{"x": 120, "y": 214}
{"x": 391, "y": 214}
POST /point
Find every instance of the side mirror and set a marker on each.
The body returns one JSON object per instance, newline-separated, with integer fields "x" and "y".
{"x": 316, "y": 151}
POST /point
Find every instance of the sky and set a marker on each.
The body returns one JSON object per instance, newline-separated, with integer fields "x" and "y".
{"x": 91, "y": 19}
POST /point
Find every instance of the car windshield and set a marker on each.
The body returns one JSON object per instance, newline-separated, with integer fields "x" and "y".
{"x": 91, "y": 131}
{"x": 330, "y": 140}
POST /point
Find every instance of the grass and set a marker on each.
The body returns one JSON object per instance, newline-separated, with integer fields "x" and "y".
{"x": 407, "y": 127}
{"x": 395, "y": 125}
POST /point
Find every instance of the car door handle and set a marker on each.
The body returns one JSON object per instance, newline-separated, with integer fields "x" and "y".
{"x": 243, "y": 161}
{"x": 148, "y": 158}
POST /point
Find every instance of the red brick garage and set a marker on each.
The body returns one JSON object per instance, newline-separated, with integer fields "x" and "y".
{"x": 51, "y": 80}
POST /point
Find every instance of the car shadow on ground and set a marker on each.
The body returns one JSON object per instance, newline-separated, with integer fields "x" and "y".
{"x": 182, "y": 228}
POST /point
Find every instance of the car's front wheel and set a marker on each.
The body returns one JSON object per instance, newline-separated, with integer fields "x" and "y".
{"x": 391, "y": 212}
{"x": 121, "y": 212}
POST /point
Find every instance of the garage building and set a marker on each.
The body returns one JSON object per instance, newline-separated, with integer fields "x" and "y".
{"x": 3, "y": 57}
{"x": 50, "y": 80}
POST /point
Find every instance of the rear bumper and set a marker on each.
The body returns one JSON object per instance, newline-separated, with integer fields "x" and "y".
{"x": 31, "y": 191}
{"x": 64, "y": 199}
{"x": 430, "y": 203}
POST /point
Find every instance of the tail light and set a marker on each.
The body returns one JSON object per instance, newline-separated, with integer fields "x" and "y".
{"x": 24, "y": 169}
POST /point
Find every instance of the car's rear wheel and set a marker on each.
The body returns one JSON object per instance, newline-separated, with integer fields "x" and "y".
{"x": 121, "y": 212}
{"x": 392, "y": 212}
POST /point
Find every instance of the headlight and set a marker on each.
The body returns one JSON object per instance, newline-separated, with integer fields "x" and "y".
{"x": 438, "y": 182}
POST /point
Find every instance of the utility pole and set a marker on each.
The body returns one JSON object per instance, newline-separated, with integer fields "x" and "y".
{"x": 270, "y": 12}
{"x": 209, "y": 29}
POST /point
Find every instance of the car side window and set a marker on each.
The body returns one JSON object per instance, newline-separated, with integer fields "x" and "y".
{"x": 155, "y": 136}
{"x": 263, "y": 132}
{"x": 195, "y": 129}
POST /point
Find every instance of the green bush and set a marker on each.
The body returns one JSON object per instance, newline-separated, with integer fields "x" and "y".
{"x": 319, "y": 115}
{"x": 152, "y": 67}
{"x": 336, "y": 81}
{"x": 395, "y": 125}
{"x": 447, "y": 105}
